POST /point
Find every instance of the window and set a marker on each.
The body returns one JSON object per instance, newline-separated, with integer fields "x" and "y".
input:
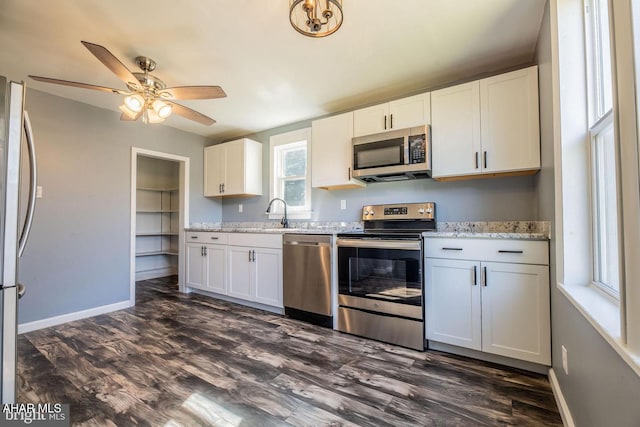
{"x": 290, "y": 173}
{"x": 603, "y": 168}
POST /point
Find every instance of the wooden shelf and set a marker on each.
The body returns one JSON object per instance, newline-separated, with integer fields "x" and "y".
{"x": 152, "y": 253}
{"x": 156, "y": 211}
{"x": 157, "y": 233}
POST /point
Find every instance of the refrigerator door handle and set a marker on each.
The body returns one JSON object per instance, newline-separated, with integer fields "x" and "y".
{"x": 21, "y": 290}
{"x": 32, "y": 185}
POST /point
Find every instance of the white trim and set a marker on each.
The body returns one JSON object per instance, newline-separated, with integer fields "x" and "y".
{"x": 70, "y": 317}
{"x": 603, "y": 315}
{"x": 183, "y": 215}
{"x": 565, "y": 413}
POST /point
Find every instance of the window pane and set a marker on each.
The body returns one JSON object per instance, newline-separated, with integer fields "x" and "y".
{"x": 602, "y": 57}
{"x": 295, "y": 162}
{"x": 606, "y": 215}
{"x": 294, "y": 192}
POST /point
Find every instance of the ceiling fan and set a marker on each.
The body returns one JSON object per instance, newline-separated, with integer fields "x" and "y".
{"x": 147, "y": 96}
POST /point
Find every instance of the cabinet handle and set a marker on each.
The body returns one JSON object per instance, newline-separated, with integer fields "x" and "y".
{"x": 249, "y": 256}
{"x": 201, "y": 250}
{"x": 451, "y": 249}
{"x": 477, "y": 160}
{"x": 385, "y": 122}
{"x": 475, "y": 275}
{"x": 485, "y": 159}
{"x": 194, "y": 237}
{"x": 214, "y": 238}
{"x": 349, "y": 174}
{"x": 205, "y": 251}
{"x": 510, "y": 252}
{"x": 253, "y": 256}
{"x": 485, "y": 276}
{"x": 219, "y": 188}
{"x": 391, "y": 116}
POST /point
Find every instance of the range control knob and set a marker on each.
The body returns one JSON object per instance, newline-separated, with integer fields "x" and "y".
{"x": 421, "y": 211}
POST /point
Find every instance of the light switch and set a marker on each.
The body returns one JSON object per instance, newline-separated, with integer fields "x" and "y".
{"x": 343, "y": 204}
{"x": 240, "y": 207}
{"x": 39, "y": 192}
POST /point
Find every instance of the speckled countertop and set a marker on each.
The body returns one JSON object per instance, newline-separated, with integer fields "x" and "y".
{"x": 525, "y": 230}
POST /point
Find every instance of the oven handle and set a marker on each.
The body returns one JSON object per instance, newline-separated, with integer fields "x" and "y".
{"x": 411, "y": 245}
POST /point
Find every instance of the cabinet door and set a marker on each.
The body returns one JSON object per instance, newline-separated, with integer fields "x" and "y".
{"x": 367, "y": 121}
{"x": 410, "y": 112}
{"x": 452, "y": 303}
{"x": 196, "y": 277}
{"x": 510, "y": 121}
{"x": 331, "y": 152}
{"x": 515, "y": 311}
{"x": 455, "y": 130}
{"x": 216, "y": 268}
{"x": 214, "y": 169}
{"x": 267, "y": 270}
{"x": 240, "y": 266}
{"x": 235, "y": 168}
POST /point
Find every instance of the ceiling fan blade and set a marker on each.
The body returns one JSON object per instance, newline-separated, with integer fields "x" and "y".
{"x": 193, "y": 92}
{"x": 190, "y": 114}
{"x": 80, "y": 85}
{"x": 112, "y": 63}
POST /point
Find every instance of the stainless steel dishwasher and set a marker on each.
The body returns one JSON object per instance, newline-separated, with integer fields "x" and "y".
{"x": 307, "y": 277}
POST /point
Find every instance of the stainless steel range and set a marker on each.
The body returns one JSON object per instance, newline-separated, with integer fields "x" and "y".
{"x": 380, "y": 275}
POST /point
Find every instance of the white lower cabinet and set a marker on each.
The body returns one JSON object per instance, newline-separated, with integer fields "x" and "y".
{"x": 255, "y": 274}
{"x": 496, "y": 303}
{"x": 245, "y": 266}
{"x": 206, "y": 267}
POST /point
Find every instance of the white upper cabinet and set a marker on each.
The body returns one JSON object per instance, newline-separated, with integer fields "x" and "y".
{"x": 399, "y": 114}
{"x": 331, "y": 153}
{"x": 487, "y": 126}
{"x": 510, "y": 121}
{"x": 455, "y": 125}
{"x": 233, "y": 169}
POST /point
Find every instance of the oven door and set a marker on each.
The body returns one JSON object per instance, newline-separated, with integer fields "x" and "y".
{"x": 381, "y": 275}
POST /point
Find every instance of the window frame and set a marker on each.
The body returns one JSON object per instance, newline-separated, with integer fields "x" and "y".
{"x": 276, "y": 143}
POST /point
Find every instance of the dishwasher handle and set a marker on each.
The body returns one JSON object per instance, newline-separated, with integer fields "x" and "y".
{"x": 307, "y": 240}
{"x": 305, "y": 243}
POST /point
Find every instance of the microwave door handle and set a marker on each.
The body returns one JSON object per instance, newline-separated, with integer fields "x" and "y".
{"x": 406, "y": 150}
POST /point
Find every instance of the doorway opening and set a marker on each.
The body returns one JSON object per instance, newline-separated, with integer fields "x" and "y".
{"x": 159, "y": 215}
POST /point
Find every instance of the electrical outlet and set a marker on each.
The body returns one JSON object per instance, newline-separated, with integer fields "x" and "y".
{"x": 39, "y": 192}
{"x": 565, "y": 360}
{"x": 240, "y": 207}
{"x": 343, "y": 204}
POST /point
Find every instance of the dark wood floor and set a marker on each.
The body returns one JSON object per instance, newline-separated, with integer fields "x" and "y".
{"x": 189, "y": 360}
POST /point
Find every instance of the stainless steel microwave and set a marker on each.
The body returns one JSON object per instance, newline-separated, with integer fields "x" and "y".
{"x": 393, "y": 156}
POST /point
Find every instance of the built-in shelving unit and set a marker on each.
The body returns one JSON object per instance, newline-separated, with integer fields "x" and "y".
{"x": 156, "y": 232}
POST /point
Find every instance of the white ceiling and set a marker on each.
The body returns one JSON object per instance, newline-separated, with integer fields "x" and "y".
{"x": 272, "y": 75}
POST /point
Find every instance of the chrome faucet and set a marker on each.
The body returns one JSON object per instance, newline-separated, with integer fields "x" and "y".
{"x": 283, "y": 221}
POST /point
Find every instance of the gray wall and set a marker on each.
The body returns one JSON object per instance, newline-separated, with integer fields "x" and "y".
{"x": 601, "y": 389}
{"x": 474, "y": 200}
{"x": 157, "y": 173}
{"x": 77, "y": 257}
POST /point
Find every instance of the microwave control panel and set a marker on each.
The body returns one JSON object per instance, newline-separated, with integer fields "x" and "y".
{"x": 417, "y": 149}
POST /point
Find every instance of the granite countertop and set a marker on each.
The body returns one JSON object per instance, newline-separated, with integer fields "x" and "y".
{"x": 524, "y": 230}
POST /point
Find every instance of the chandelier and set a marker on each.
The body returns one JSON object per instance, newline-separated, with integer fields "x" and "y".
{"x": 315, "y": 18}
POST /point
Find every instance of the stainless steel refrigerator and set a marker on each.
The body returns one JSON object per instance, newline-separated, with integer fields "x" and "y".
{"x": 14, "y": 229}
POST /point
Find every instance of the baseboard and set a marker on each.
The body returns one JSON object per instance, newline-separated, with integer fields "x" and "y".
{"x": 259, "y": 306}
{"x": 156, "y": 273}
{"x": 567, "y": 419}
{"x": 69, "y": 317}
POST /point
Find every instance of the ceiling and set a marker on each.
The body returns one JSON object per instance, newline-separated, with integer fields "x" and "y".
{"x": 272, "y": 75}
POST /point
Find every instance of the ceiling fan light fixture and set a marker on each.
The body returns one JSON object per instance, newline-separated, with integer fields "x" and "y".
{"x": 128, "y": 112}
{"x": 315, "y": 18}
{"x": 152, "y": 116}
{"x": 162, "y": 109}
{"x": 134, "y": 102}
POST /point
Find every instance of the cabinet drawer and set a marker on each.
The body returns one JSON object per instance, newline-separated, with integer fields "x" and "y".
{"x": 496, "y": 250}
{"x": 256, "y": 240}
{"x": 208, "y": 237}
